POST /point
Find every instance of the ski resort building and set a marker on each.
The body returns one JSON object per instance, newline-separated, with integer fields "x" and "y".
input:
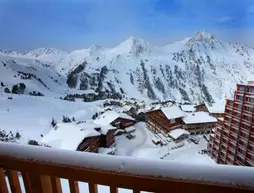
{"x": 188, "y": 108}
{"x": 165, "y": 119}
{"x": 233, "y": 141}
{"x": 178, "y": 134}
{"x": 216, "y": 109}
{"x": 201, "y": 107}
{"x": 199, "y": 122}
{"x": 169, "y": 118}
{"x": 80, "y": 137}
{"x": 119, "y": 120}
{"x": 107, "y": 138}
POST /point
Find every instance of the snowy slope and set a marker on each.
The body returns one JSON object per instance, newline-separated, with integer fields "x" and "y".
{"x": 44, "y": 54}
{"x": 36, "y": 75}
{"x": 199, "y": 68}
{"x": 31, "y": 116}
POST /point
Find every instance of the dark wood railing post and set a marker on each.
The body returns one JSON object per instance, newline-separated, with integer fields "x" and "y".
{"x": 3, "y": 185}
{"x": 35, "y": 183}
{"x": 56, "y": 184}
{"x": 74, "y": 188}
{"x": 113, "y": 189}
{"x": 93, "y": 188}
{"x": 14, "y": 181}
{"x": 27, "y": 183}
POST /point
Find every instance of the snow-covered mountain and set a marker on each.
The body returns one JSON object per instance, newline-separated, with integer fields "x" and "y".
{"x": 36, "y": 75}
{"x": 50, "y": 55}
{"x": 200, "y": 68}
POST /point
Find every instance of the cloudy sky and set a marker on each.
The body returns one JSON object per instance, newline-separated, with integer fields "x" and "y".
{"x": 75, "y": 24}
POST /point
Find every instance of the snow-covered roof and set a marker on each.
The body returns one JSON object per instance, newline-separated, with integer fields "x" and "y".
{"x": 176, "y": 133}
{"x": 119, "y": 131}
{"x": 173, "y": 112}
{"x": 103, "y": 150}
{"x": 188, "y": 108}
{"x": 216, "y": 107}
{"x": 67, "y": 136}
{"x": 155, "y": 139}
{"x": 109, "y": 116}
{"x": 126, "y": 108}
{"x": 198, "y": 117}
{"x": 92, "y": 125}
{"x": 221, "y": 118}
{"x": 129, "y": 129}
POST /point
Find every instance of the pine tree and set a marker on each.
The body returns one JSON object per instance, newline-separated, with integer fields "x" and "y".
{"x": 17, "y": 136}
{"x": 53, "y": 122}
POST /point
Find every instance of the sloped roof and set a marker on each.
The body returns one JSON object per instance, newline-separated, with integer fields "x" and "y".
{"x": 67, "y": 136}
{"x": 109, "y": 116}
{"x": 198, "y": 117}
{"x": 187, "y": 108}
{"x": 176, "y": 133}
{"x": 92, "y": 125}
{"x": 216, "y": 107}
{"x": 173, "y": 112}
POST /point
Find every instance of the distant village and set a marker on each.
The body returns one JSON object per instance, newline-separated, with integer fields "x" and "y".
{"x": 171, "y": 123}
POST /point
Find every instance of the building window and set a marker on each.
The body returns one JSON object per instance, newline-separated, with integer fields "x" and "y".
{"x": 239, "y": 98}
{"x": 241, "y": 88}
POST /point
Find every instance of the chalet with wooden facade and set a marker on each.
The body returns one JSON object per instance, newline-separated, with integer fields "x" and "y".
{"x": 214, "y": 109}
{"x": 118, "y": 120}
{"x": 86, "y": 136}
{"x": 199, "y": 122}
{"x": 71, "y": 136}
{"x": 165, "y": 119}
{"x": 107, "y": 138}
{"x": 201, "y": 107}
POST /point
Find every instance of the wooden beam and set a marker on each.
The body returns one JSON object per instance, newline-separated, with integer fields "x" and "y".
{"x": 46, "y": 184}
{"x": 56, "y": 184}
{"x": 121, "y": 180}
{"x": 113, "y": 189}
{"x": 14, "y": 181}
{"x": 74, "y": 188}
{"x": 3, "y": 184}
{"x": 93, "y": 188}
{"x": 27, "y": 183}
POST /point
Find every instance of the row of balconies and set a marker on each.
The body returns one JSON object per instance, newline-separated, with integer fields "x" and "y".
{"x": 250, "y": 162}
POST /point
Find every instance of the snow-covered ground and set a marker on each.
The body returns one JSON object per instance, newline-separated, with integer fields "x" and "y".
{"x": 31, "y": 116}
{"x": 143, "y": 147}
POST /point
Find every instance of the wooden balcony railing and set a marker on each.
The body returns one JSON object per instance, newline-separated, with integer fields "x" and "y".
{"x": 42, "y": 168}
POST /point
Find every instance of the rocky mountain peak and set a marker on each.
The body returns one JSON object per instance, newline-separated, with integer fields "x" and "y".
{"x": 203, "y": 39}
{"x": 43, "y": 51}
{"x": 203, "y": 35}
{"x": 135, "y": 46}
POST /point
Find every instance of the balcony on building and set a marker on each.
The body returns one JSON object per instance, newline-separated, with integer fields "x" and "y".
{"x": 42, "y": 170}
{"x": 250, "y": 162}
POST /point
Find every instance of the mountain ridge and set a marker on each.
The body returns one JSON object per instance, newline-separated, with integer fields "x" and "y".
{"x": 196, "y": 69}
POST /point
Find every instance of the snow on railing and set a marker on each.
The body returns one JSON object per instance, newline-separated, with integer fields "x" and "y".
{"x": 213, "y": 175}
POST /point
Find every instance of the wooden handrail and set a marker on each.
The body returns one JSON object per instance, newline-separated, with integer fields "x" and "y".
{"x": 41, "y": 164}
